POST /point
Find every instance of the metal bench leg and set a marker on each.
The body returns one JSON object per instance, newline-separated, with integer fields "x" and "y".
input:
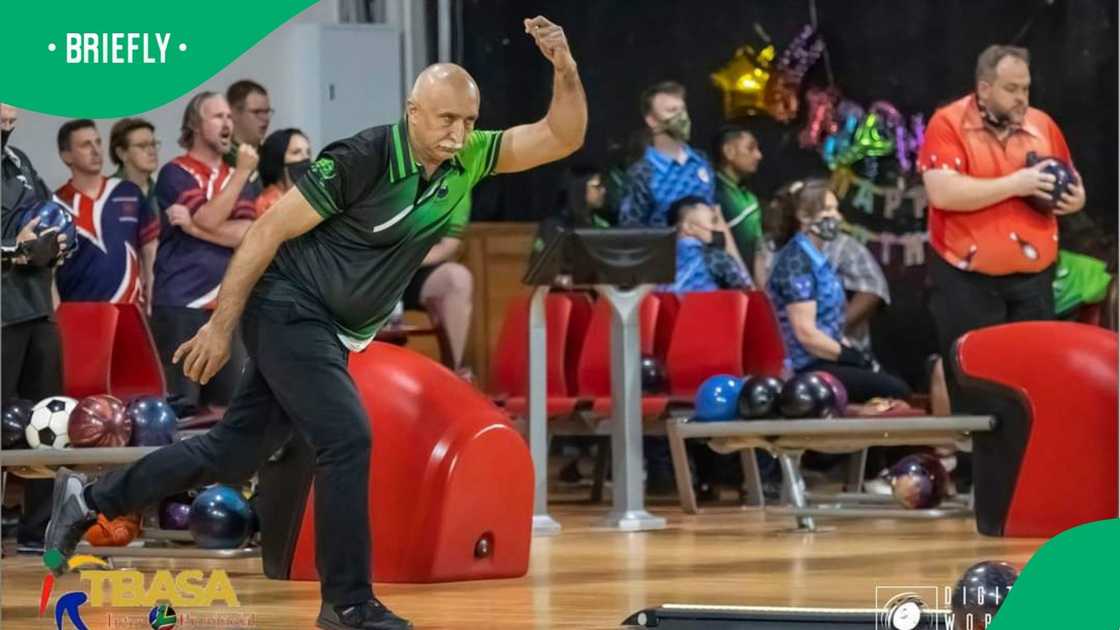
{"x": 792, "y": 479}
{"x": 752, "y": 478}
{"x": 681, "y": 471}
{"x": 857, "y": 464}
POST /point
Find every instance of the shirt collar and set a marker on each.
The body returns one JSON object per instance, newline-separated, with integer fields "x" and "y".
{"x": 972, "y": 121}
{"x": 402, "y": 163}
{"x": 11, "y": 155}
{"x": 662, "y": 162}
{"x": 727, "y": 179}
{"x": 121, "y": 175}
{"x": 815, "y": 255}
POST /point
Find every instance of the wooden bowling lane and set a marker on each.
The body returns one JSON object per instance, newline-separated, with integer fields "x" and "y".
{"x": 591, "y": 578}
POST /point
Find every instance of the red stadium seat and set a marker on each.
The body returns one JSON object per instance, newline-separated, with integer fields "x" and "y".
{"x": 87, "y": 331}
{"x": 447, "y": 471}
{"x": 136, "y": 368}
{"x": 764, "y": 352}
{"x": 707, "y": 339}
{"x": 1051, "y": 462}
{"x": 509, "y": 368}
{"x": 669, "y": 306}
{"x": 594, "y": 374}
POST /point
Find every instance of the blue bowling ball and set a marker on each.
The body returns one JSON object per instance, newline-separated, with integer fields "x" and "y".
{"x": 52, "y": 214}
{"x": 717, "y": 399}
{"x": 220, "y": 518}
{"x": 153, "y": 421}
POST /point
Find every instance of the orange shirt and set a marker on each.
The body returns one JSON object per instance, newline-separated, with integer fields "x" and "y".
{"x": 270, "y": 195}
{"x": 1008, "y": 236}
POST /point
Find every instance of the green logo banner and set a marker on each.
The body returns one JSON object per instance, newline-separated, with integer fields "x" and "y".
{"x": 107, "y": 59}
{"x": 1069, "y": 583}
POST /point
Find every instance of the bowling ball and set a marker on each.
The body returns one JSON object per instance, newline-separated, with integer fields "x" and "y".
{"x": 53, "y": 214}
{"x": 806, "y": 395}
{"x": 220, "y": 518}
{"x": 919, "y": 482}
{"x": 1063, "y": 179}
{"x": 839, "y": 392}
{"x": 153, "y": 421}
{"x": 979, "y": 594}
{"x": 654, "y": 379}
{"x": 117, "y": 532}
{"x": 717, "y": 399}
{"x": 759, "y": 398}
{"x": 99, "y": 421}
{"x": 174, "y": 513}
{"x": 16, "y": 416}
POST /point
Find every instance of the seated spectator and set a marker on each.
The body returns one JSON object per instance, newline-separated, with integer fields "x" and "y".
{"x": 809, "y": 298}
{"x": 285, "y": 157}
{"x": 864, "y": 284}
{"x": 578, "y": 203}
{"x": 704, "y": 259}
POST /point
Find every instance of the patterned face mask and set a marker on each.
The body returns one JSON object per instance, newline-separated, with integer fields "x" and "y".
{"x": 826, "y": 228}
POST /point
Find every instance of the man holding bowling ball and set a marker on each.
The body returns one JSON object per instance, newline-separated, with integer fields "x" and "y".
{"x": 313, "y": 280}
{"x": 995, "y": 250}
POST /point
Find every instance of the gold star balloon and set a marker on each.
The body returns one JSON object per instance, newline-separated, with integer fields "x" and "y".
{"x": 743, "y": 82}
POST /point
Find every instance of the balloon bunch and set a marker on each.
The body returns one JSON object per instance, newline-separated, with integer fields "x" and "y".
{"x": 752, "y": 82}
{"x": 846, "y": 134}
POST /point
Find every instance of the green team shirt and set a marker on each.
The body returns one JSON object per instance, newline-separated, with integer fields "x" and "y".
{"x": 381, "y": 218}
{"x": 740, "y": 211}
{"x": 1079, "y": 280}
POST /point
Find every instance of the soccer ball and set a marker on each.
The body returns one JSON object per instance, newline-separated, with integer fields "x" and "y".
{"x": 50, "y": 419}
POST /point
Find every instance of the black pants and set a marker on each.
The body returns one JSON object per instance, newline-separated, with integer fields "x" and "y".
{"x": 32, "y": 369}
{"x": 173, "y": 325}
{"x": 862, "y": 384}
{"x": 962, "y": 301}
{"x": 297, "y": 377}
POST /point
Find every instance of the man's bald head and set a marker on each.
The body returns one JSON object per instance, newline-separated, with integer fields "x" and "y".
{"x": 442, "y": 109}
{"x": 443, "y": 77}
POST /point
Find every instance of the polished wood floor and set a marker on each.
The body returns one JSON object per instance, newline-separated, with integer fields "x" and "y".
{"x": 593, "y": 578}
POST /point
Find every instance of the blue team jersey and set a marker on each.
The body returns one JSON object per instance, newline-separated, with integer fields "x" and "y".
{"x": 112, "y": 229}
{"x": 189, "y": 270}
{"x": 657, "y": 180}
{"x": 801, "y": 273}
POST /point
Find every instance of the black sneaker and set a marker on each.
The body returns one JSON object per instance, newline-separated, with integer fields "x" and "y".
{"x": 372, "y": 615}
{"x": 70, "y": 518}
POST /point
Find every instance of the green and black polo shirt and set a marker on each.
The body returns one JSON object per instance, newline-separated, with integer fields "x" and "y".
{"x": 382, "y": 217}
{"x": 740, "y": 211}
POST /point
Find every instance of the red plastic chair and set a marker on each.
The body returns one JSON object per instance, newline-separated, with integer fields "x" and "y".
{"x": 136, "y": 368}
{"x": 447, "y": 471}
{"x": 594, "y": 374}
{"x": 1051, "y": 462}
{"x": 509, "y": 367}
{"x": 707, "y": 340}
{"x": 87, "y": 331}
{"x": 764, "y": 352}
{"x": 670, "y": 305}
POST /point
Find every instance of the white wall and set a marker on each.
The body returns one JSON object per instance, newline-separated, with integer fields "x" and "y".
{"x": 290, "y": 51}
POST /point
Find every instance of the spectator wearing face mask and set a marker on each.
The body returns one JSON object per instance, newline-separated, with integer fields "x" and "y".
{"x": 809, "y": 299}
{"x": 703, "y": 260}
{"x": 669, "y": 169}
{"x": 285, "y": 157}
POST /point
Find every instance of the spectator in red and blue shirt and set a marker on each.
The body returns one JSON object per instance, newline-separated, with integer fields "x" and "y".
{"x": 208, "y": 211}
{"x": 809, "y": 297}
{"x": 116, "y": 230}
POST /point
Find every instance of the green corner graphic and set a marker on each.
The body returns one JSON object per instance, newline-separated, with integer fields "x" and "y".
{"x": 56, "y": 55}
{"x": 1069, "y": 583}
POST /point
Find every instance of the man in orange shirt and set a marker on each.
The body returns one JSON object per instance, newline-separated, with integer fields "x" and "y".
{"x": 996, "y": 253}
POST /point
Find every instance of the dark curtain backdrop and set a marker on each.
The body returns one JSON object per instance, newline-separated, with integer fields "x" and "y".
{"x": 918, "y": 54}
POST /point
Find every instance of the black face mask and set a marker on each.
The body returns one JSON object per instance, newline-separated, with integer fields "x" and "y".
{"x": 4, "y": 135}
{"x": 719, "y": 240}
{"x": 826, "y": 229}
{"x": 296, "y": 170}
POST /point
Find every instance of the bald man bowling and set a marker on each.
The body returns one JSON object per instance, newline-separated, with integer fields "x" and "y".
{"x": 322, "y": 271}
